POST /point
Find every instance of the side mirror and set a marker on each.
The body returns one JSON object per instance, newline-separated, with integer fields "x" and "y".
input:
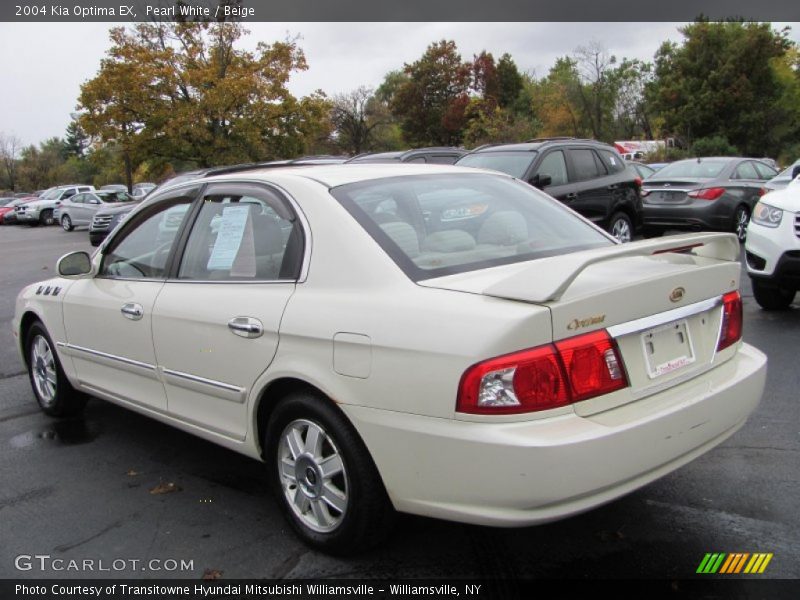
{"x": 541, "y": 181}
{"x": 796, "y": 171}
{"x": 74, "y": 265}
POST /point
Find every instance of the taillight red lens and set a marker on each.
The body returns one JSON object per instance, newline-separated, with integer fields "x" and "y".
{"x": 593, "y": 365}
{"x": 707, "y": 194}
{"x": 731, "y": 326}
{"x": 544, "y": 377}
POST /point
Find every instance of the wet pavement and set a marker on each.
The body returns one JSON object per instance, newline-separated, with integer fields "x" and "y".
{"x": 117, "y": 486}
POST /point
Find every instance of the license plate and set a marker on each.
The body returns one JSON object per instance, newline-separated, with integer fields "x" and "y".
{"x": 667, "y": 348}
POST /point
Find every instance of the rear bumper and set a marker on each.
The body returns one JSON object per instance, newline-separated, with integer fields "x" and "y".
{"x": 523, "y": 473}
{"x": 699, "y": 215}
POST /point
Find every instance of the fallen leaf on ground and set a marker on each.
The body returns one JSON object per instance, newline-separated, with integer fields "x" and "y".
{"x": 165, "y": 488}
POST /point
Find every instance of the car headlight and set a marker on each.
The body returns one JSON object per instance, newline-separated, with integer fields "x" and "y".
{"x": 766, "y": 215}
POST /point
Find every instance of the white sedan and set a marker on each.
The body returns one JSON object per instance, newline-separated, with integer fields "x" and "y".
{"x": 427, "y": 339}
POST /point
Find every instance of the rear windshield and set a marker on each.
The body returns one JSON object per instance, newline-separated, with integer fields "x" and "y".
{"x": 694, "y": 168}
{"x": 512, "y": 163}
{"x": 434, "y": 225}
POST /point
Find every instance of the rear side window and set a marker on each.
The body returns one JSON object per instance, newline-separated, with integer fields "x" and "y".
{"x": 243, "y": 233}
{"x": 434, "y": 225}
{"x": 442, "y": 159}
{"x": 515, "y": 164}
{"x": 746, "y": 170}
{"x": 613, "y": 161}
{"x": 585, "y": 164}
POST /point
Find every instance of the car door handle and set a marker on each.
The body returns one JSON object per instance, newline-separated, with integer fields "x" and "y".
{"x": 571, "y": 196}
{"x": 246, "y": 327}
{"x": 132, "y": 311}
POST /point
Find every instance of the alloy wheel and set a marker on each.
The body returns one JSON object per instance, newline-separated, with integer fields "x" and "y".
{"x": 312, "y": 475}
{"x": 742, "y": 221}
{"x": 43, "y": 368}
{"x": 621, "y": 230}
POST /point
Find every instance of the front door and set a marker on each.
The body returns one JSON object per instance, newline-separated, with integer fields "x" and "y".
{"x": 216, "y": 323}
{"x": 108, "y": 318}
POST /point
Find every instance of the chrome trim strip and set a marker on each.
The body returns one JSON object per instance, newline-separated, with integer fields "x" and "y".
{"x": 189, "y": 377}
{"x": 682, "y": 312}
{"x": 114, "y": 357}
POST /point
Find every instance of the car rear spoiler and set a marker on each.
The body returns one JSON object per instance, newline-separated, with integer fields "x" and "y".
{"x": 554, "y": 275}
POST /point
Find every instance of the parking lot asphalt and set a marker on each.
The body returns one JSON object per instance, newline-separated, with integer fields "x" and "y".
{"x": 83, "y": 489}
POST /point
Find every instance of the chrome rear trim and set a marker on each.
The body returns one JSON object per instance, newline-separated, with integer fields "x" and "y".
{"x": 645, "y": 323}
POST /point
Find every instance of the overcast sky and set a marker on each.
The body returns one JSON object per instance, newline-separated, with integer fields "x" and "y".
{"x": 45, "y": 63}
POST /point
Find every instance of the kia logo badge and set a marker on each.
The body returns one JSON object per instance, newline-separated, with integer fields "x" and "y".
{"x": 677, "y": 294}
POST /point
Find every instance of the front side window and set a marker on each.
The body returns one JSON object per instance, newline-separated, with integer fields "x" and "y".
{"x": 554, "y": 166}
{"x": 434, "y": 225}
{"x": 243, "y": 233}
{"x": 746, "y": 170}
{"x": 142, "y": 249}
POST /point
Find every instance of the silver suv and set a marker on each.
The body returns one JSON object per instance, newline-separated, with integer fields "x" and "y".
{"x": 41, "y": 211}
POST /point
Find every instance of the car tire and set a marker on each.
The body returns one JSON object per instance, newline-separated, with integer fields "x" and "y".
{"x": 620, "y": 227}
{"x": 741, "y": 219}
{"x": 772, "y": 297}
{"x": 53, "y": 391}
{"x": 46, "y": 217}
{"x": 66, "y": 223}
{"x": 324, "y": 478}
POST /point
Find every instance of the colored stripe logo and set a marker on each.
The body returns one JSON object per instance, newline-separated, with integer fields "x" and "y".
{"x": 734, "y": 563}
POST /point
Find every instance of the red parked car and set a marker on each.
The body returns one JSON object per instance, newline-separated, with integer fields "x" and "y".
{"x": 7, "y": 208}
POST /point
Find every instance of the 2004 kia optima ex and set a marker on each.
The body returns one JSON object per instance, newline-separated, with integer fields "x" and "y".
{"x": 434, "y": 340}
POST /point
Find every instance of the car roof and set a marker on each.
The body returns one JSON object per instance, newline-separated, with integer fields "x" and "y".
{"x": 536, "y": 144}
{"x": 342, "y": 174}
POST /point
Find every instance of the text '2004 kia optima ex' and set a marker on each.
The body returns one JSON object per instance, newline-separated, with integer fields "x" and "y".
{"x": 434, "y": 340}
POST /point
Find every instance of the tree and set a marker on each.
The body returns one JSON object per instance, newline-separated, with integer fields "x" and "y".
{"x": 10, "y": 146}
{"x": 597, "y": 90}
{"x": 510, "y": 81}
{"x": 355, "y": 117}
{"x": 432, "y": 101}
{"x": 75, "y": 140}
{"x": 731, "y": 80}
{"x": 558, "y": 102}
{"x": 184, "y": 92}
{"x": 632, "y": 111}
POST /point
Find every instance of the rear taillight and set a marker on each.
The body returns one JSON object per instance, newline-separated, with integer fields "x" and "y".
{"x": 707, "y": 193}
{"x": 544, "y": 377}
{"x": 731, "y": 326}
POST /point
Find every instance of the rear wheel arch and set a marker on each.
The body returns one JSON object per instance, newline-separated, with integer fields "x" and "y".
{"x": 272, "y": 394}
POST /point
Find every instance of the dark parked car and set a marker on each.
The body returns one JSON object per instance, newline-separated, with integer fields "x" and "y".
{"x": 445, "y": 155}
{"x": 588, "y": 176}
{"x": 715, "y": 193}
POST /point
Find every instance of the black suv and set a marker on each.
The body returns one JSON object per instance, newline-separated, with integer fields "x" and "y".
{"x": 588, "y": 176}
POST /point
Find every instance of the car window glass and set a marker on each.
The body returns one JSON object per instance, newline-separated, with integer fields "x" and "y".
{"x": 764, "y": 171}
{"x": 142, "y": 248}
{"x": 77, "y": 199}
{"x": 554, "y": 165}
{"x": 242, "y": 235}
{"x": 418, "y": 159}
{"x": 584, "y": 164}
{"x": 445, "y": 224}
{"x": 442, "y": 159}
{"x": 746, "y": 170}
{"x": 68, "y": 194}
{"x": 515, "y": 164}
{"x": 613, "y": 161}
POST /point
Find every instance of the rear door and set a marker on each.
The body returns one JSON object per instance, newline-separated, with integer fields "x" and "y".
{"x": 216, "y": 322}
{"x": 592, "y": 193}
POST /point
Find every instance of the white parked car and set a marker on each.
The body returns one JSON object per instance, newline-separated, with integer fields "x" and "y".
{"x": 80, "y": 209}
{"x": 773, "y": 248}
{"x": 435, "y": 340}
{"x": 44, "y": 211}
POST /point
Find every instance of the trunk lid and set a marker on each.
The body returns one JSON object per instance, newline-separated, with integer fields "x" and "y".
{"x": 662, "y": 307}
{"x": 670, "y": 191}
